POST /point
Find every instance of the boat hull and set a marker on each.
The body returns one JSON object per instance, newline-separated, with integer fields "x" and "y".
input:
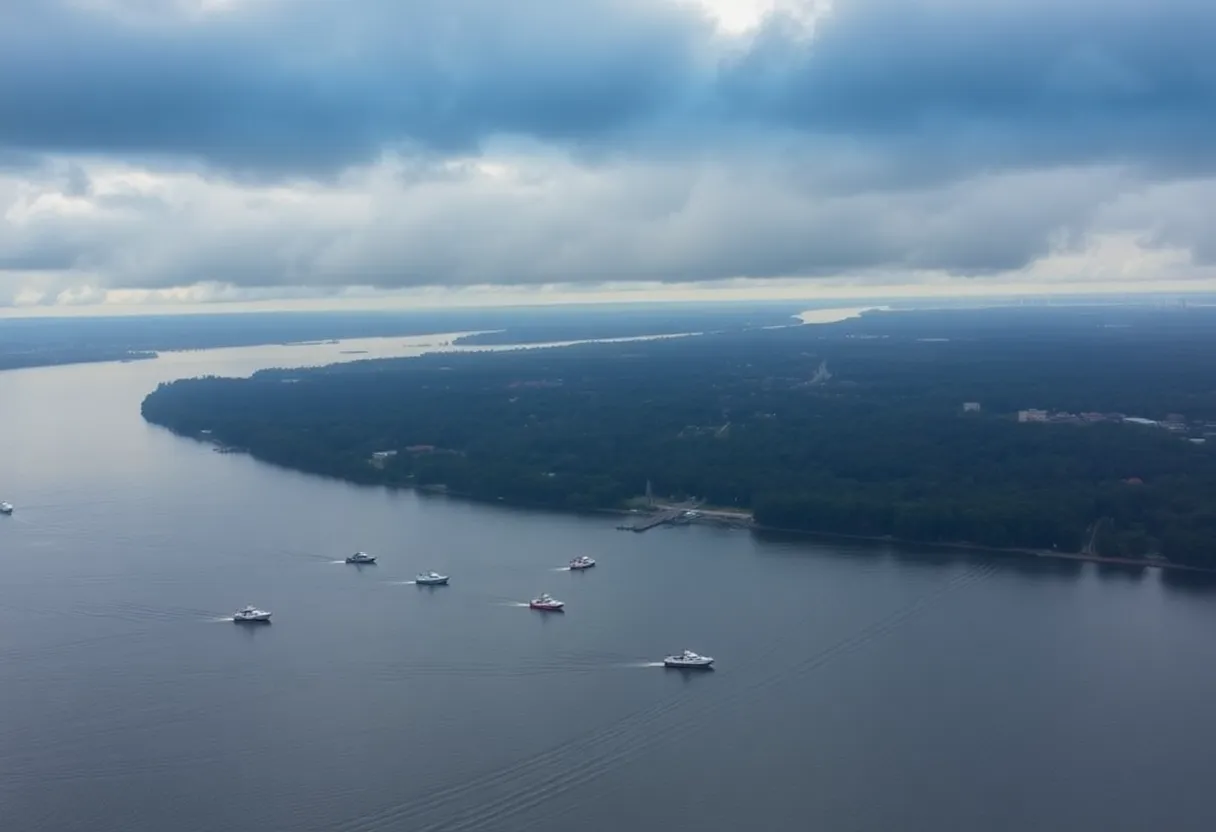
{"x": 260, "y": 619}
{"x": 361, "y": 561}
{"x": 579, "y": 567}
{"x": 431, "y": 581}
{"x": 547, "y": 607}
{"x": 683, "y": 665}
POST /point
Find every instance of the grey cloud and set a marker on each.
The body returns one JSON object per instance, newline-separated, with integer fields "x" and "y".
{"x": 631, "y": 222}
{"x": 301, "y": 87}
{"x": 19, "y": 160}
{"x": 964, "y": 85}
{"x": 77, "y": 182}
{"x": 942, "y": 135}
{"x": 628, "y": 223}
{"x": 931, "y": 89}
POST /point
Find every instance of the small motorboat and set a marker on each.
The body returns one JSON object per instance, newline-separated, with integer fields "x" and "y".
{"x": 547, "y": 603}
{"x": 6, "y": 508}
{"x": 431, "y": 579}
{"x": 689, "y": 660}
{"x": 581, "y": 562}
{"x": 251, "y": 615}
{"x": 361, "y": 557}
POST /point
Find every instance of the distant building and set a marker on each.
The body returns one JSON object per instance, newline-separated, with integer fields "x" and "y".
{"x": 379, "y": 458}
{"x": 971, "y": 407}
{"x": 1032, "y": 415}
{"x": 1174, "y": 422}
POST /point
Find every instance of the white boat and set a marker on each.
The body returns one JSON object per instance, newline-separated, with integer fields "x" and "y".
{"x": 547, "y": 603}
{"x": 689, "y": 660}
{"x": 251, "y": 615}
{"x": 582, "y": 562}
{"x": 6, "y": 508}
{"x": 361, "y": 557}
{"x": 430, "y": 579}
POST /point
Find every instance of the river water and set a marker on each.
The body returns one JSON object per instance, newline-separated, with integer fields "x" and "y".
{"x": 858, "y": 688}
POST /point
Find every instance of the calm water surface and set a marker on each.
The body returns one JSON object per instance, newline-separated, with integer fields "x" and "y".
{"x": 858, "y": 688}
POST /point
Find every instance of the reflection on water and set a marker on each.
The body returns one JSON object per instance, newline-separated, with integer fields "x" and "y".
{"x": 1192, "y": 583}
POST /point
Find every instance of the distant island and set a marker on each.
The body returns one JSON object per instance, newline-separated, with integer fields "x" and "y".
{"x": 1075, "y": 429}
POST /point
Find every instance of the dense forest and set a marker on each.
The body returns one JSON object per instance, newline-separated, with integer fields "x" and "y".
{"x": 856, "y": 428}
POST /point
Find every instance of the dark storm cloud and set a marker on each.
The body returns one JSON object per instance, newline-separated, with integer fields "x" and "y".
{"x": 277, "y": 87}
{"x": 314, "y": 85}
{"x": 977, "y": 83}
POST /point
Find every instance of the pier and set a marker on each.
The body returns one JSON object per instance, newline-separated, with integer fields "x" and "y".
{"x": 642, "y": 524}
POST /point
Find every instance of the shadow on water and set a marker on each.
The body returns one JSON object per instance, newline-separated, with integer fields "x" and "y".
{"x": 1019, "y": 564}
{"x": 928, "y": 556}
{"x": 1121, "y": 571}
{"x": 792, "y": 545}
{"x": 913, "y": 555}
{"x": 1190, "y": 583}
{"x": 251, "y": 630}
{"x": 689, "y": 676}
{"x": 811, "y": 543}
{"x": 500, "y": 505}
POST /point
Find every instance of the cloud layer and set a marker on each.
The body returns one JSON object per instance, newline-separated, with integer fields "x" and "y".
{"x": 317, "y": 143}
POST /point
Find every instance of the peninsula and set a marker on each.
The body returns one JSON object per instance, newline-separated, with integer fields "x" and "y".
{"x": 1078, "y": 429}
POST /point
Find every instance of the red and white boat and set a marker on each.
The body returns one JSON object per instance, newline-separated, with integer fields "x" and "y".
{"x": 547, "y": 603}
{"x": 582, "y": 562}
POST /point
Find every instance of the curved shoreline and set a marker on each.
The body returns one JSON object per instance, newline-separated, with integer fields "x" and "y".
{"x": 1020, "y": 551}
{"x": 733, "y": 519}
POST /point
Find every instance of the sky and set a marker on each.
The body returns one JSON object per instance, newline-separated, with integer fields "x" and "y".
{"x": 217, "y": 154}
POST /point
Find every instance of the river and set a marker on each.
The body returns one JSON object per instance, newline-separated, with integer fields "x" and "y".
{"x": 857, "y": 688}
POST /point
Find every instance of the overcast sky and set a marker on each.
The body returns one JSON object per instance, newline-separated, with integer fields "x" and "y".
{"x": 344, "y": 151}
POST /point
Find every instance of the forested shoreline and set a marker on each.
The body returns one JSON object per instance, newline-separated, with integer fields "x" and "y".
{"x": 856, "y": 428}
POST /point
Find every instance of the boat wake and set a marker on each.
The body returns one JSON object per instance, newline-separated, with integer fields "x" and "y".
{"x": 522, "y": 788}
{"x": 136, "y": 611}
{"x": 642, "y": 664}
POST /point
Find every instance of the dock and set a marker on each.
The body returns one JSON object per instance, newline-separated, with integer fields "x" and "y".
{"x": 651, "y": 521}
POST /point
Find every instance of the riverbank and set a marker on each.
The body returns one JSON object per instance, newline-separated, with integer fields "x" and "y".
{"x": 1051, "y": 554}
{"x": 688, "y": 513}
